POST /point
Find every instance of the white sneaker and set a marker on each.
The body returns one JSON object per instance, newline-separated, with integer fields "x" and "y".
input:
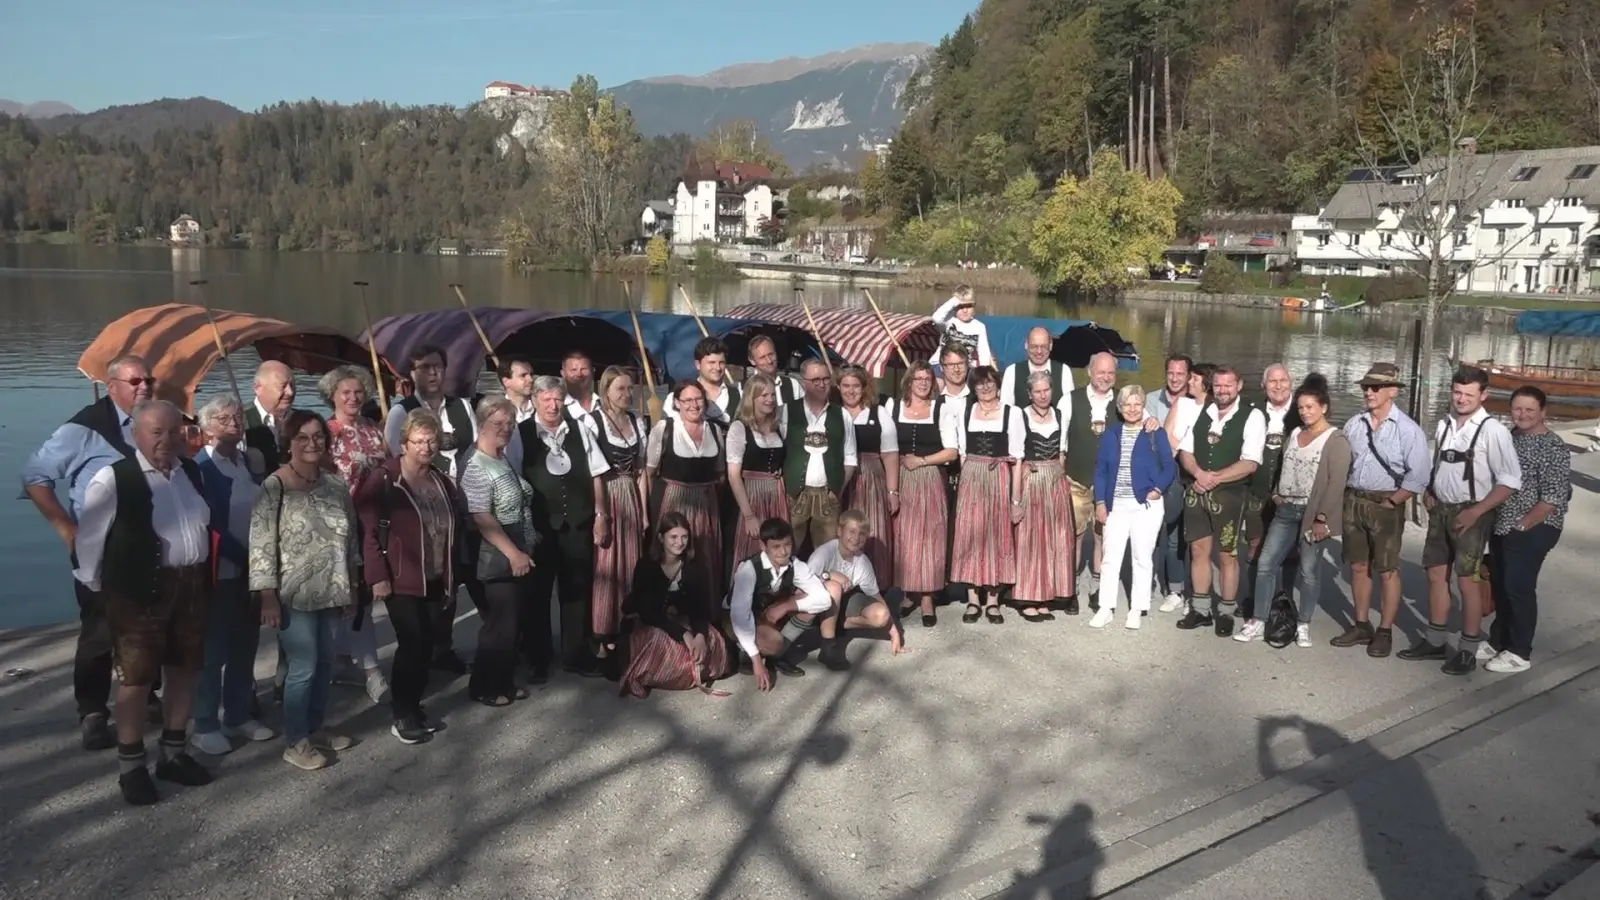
{"x": 1486, "y": 652}
{"x": 211, "y": 743}
{"x": 377, "y": 688}
{"x": 1252, "y": 630}
{"x": 1173, "y": 603}
{"x": 1102, "y": 618}
{"x": 1508, "y": 663}
{"x": 1302, "y": 635}
{"x": 251, "y": 730}
{"x": 1135, "y": 619}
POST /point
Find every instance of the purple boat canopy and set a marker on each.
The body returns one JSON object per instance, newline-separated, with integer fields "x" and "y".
{"x": 543, "y": 337}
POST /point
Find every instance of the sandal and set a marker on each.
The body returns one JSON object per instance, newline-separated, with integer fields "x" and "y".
{"x": 993, "y": 614}
{"x": 972, "y": 613}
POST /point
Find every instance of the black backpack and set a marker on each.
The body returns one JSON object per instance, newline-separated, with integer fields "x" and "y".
{"x": 1282, "y": 622}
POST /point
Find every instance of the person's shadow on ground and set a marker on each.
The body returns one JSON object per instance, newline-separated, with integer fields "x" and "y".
{"x": 1068, "y": 861}
{"x": 1406, "y": 843}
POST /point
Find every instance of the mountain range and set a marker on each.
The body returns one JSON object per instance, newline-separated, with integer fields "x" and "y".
{"x": 824, "y": 110}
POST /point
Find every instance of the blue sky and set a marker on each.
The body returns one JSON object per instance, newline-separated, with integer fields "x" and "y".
{"x": 95, "y": 53}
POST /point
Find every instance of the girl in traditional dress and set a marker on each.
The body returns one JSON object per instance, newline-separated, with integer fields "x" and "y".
{"x": 756, "y": 453}
{"x": 619, "y": 435}
{"x": 875, "y": 490}
{"x": 672, "y": 644}
{"x": 1045, "y": 562}
{"x": 919, "y": 529}
{"x": 989, "y": 438}
{"x": 686, "y": 465}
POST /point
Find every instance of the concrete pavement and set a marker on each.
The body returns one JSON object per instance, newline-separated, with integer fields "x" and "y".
{"x": 1018, "y": 760}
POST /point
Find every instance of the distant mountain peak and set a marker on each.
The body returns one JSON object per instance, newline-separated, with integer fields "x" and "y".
{"x": 44, "y": 109}
{"x": 750, "y": 74}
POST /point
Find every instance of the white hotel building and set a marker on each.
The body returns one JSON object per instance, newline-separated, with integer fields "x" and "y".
{"x": 1527, "y": 221}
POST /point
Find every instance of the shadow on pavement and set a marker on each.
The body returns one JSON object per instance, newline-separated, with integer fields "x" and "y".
{"x": 1068, "y": 861}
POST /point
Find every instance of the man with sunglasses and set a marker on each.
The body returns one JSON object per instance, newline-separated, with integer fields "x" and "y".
{"x": 1388, "y": 466}
{"x": 99, "y": 435}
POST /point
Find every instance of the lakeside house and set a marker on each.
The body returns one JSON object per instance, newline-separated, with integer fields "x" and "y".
{"x": 724, "y": 202}
{"x": 185, "y": 232}
{"x": 656, "y": 219}
{"x": 1255, "y": 242}
{"x": 1519, "y": 222}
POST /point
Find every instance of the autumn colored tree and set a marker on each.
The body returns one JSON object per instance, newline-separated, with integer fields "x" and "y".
{"x": 592, "y": 151}
{"x": 1093, "y": 231}
{"x": 739, "y": 140}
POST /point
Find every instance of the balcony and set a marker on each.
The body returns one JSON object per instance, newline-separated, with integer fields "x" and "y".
{"x": 1310, "y": 224}
{"x": 1568, "y": 215}
{"x": 1510, "y": 217}
{"x": 728, "y": 211}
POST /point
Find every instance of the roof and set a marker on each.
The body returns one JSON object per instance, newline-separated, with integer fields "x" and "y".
{"x": 1479, "y": 180}
{"x": 662, "y": 207}
{"x": 178, "y": 343}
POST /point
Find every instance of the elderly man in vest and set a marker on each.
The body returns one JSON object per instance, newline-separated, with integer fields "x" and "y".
{"x": 1014, "y": 383}
{"x": 428, "y": 364}
{"x": 820, "y": 457}
{"x": 144, "y": 541}
{"x": 1220, "y": 453}
{"x": 561, "y": 461}
{"x": 1085, "y": 414}
{"x": 1282, "y": 418}
{"x": 99, "y": 435}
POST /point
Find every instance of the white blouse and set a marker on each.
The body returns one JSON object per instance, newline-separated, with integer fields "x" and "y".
{"x": 682, "y": 444}
{"x": 738, "y": 434}
{"x": 611, "y": 435}
{"x": 1300, "y": 464}
{"x": 890, "y": 442}
{"x": 954, "y": 430}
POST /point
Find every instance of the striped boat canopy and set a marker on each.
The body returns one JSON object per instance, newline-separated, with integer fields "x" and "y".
{"x": 855, "y": 334}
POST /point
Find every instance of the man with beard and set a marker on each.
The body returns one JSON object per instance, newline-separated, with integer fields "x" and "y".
{"x": 1014, "y": 383}
{"x": 1282, "y": 418}
{"x": 1220, "y": 454}
{"x": 763, "y": 353}
{"x": 99, "y": 435}
{"x": 577, "y": 373}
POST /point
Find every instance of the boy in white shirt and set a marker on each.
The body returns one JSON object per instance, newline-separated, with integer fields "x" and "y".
{"x": 957, "y": 322}
{"x": 841, "y": 562}
{"x": 775, "y": 599}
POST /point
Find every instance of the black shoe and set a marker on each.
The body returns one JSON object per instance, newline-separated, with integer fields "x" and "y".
{"x": 833, "y": 658}
{"x": 428, "y": 725}
{"x": 786, "y": 668}
{"x": 585, "y": 669}
{"x": 1071, "y": 608}
{"x": 153, "y": 712}
{"x": 993, "y": 614}
{"x": 1193, "y": 619}
{"x": 182, "y": 769}
{"x": 409, "y": 730}
{"x": 448, "y": 661}
{"x": 973, "y": 613}
{"x": 538, "y": 675}
{"x": 1224, "y": 625}
{"x": 930, "y": 619}
{"x": 138, "y": 788}
{"x": 96, "y": 732}
{"x": 1464, "y": 662}
{"x": 1422, "y": 650}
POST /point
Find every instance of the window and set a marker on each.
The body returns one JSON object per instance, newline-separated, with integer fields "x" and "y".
{"x": 1499, "y": 237}
{"x": 1572, "y": 234}
{"x": 1355, "y": 239}
{"x": 1512, "y": 203}
{"x": 1388, "y": 239}
{"x": 1323, "y": 239}
{"x": 1571, "y": 201}
{"x": 1525, "y": 173}
{"x": 1581, "y": 172}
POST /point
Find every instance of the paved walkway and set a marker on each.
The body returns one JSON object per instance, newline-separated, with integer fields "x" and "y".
{"x": 1014, "y": 761}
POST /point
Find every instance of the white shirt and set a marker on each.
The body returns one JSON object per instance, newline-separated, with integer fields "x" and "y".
{"x": 1098, "y": 406}
{"x": 1276, "y": 417}
{"x": 1008, "y": 381}
{"x": 739, "y": 435}
{"x": 954, "y": 430}
{"x": 827, "y": 560}
{"x": 267, "y": 419}
{"x": 682, "y": 444}
{"x": 810, "y": 597}
{"x": 716, "y": 408}
{"x": 816, "y": 470}
{"x": 1255, "y": 431}
{"x": 241, "y": 499}
{"x": 945, "y": 318}
{"x": 557, "y": 462}
{"x": 394, "y": 430}
{"x": 1494, "y": 460}
{"x": 1187, "y": 413}
{"x": 1299, "y": 474}
{"x": 889, "y": 442}
{"x": 577, "y": 410}
{"x": 954, "y": 404}
{"x": 178, "y": 513}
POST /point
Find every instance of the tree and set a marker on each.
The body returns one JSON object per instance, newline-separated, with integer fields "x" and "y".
{"x": 1093, "y": 231}
{"x": 658, "y": 255}
{"x": 740, "y": 140}
{"x": 592, "y": 151}
{"x": 771, "y": 230}
{"x": 908, "y": 177}
{"x": 874, "y": 181}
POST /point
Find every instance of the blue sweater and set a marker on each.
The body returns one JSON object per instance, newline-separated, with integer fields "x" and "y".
{"x": 1153, "y": 465}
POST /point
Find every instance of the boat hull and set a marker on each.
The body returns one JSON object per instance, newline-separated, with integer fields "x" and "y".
{"x": 1555, "y": 381}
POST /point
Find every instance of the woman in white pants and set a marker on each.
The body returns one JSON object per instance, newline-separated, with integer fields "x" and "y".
{"x": 1132, "y": 469}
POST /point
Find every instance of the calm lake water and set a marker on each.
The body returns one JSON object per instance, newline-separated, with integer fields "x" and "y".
{"x": 57, "y": 299}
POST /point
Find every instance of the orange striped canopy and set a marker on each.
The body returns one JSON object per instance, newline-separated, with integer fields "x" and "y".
{"x": 856, "y": 334}
{"x": 178, "y": 344}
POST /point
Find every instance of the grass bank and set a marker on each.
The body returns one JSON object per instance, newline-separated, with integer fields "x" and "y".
{"x": 993, "y": 281}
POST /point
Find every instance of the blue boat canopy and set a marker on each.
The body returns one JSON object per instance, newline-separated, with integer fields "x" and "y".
{"x": 1581, "y": 324}
{"x": 670, "y": 339}
{"x": 1075, "y": 341}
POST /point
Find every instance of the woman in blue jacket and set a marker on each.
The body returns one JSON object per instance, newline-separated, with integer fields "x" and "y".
{"x": 1133, "y": 468}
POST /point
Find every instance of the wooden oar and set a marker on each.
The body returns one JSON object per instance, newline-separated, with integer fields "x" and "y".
{"x": 493, "y": 356}
{"x": 654, "y": 401}
{"x": 822, "y": 346}
{"x": 904, "y": 360}
{"x": 372, "y": 347}
{"x": 693, "y": 310}
{"x": 216, "y": 335}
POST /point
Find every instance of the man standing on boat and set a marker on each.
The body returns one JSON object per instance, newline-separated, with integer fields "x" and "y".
{"x": 99, "y": 435}
{"x": 1282, "y": 418}
{"x": 1014, "y": 383}
{"x": 819, "y": 458}
{"x": 457, "y": 437}
{"x": 577, "y": 373}
{"x": 1475, "y": 469}
{"x": 763, "y": 353}
{"x": 722, "y": 397}
{"x": 958, "y": 326}
{"x": 1388, "y": 466}
{"x": 516, "y": 376}
{"x": 1084, "y": 416}
{"x": 274, "y": 389}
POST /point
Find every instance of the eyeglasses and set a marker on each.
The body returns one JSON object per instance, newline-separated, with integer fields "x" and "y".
{"x": 315, "y": 439}
{"x": 147, "y": 381}
{"x": 1372, "y": 389}
{"x": 228, "y": 420}
{"x": 423, "y": 443}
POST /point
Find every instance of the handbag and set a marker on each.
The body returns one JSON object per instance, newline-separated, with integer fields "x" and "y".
{"x": 1281, "y": 622}
{"x": 492, "y": 565}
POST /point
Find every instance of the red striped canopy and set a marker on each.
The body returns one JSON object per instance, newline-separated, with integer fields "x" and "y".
{"x": 856, "y": 334}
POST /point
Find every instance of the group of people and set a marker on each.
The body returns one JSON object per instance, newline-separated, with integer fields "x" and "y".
{"x": 747, "y": 524}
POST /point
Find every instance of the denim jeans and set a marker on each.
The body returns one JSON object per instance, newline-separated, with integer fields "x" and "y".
{"x": 1171, "y": 554}
{"x": 1282, "y": 536}
{"x": 228, "y": 681}
{"x": 306, "y": 639}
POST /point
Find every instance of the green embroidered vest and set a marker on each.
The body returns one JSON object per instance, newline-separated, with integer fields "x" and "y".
{"x": 798, "y": 457}
{"x": 1265, "y": 479}
{"x": 1215, "y": 452}
{"x": 1083, "y": 438}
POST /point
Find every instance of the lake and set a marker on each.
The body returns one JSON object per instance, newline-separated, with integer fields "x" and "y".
{"x": 57, "y": 299}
